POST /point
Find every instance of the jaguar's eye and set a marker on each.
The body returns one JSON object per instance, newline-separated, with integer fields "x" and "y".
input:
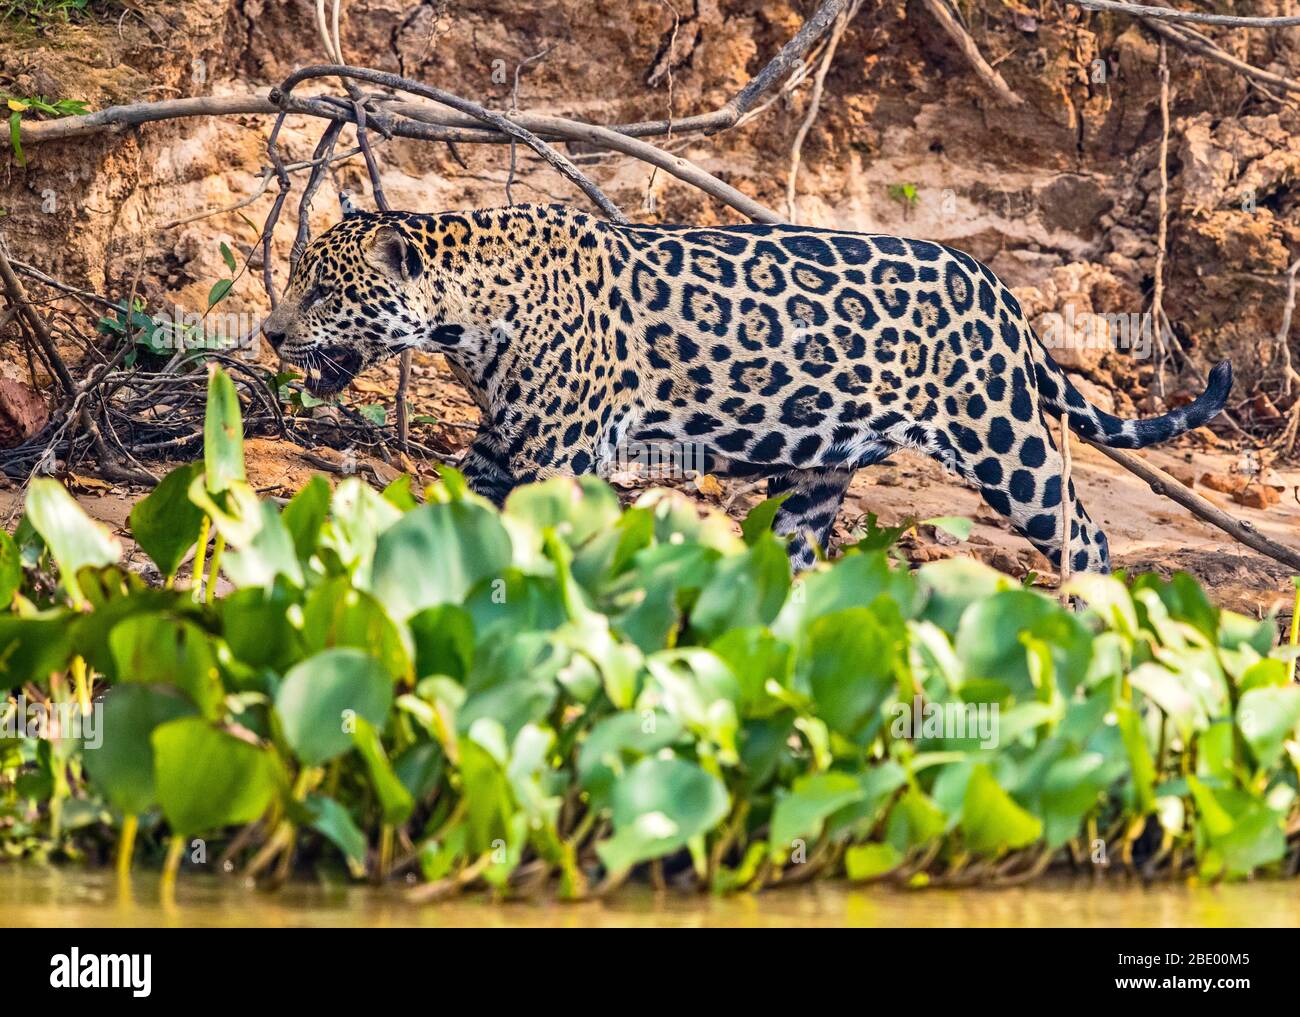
{"x": 314, "y": 296}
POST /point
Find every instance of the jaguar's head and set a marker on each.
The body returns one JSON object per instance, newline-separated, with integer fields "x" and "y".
{"x": 358, "y": 295}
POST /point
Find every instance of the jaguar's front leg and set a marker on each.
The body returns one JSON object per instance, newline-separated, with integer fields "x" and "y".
{"x": 487, "y": 469}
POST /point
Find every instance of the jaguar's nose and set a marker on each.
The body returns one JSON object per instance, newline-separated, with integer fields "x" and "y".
{"x": 276, "y": 339}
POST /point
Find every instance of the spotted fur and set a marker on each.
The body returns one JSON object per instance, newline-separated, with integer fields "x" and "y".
{"x": 788, "y": 352}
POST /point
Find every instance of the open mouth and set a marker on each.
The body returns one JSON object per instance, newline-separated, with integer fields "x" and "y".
{"x": 329, "y": 368}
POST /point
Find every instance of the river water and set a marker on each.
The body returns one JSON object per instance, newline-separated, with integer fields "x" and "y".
{"x": 46, "y": 896}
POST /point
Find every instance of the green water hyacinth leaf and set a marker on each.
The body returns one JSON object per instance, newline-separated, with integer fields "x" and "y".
{"x": 575, "y": 508}
{"x": 34, "y": 645}
{"x": 223, "y": 432}
{"x": 322, "y": 699}
{"x": 332, "y": 821}
{"x": 166, "y": 523}
{"x": 952, "y": 585}
{"x": 122, "y": 763}
{"x": 395, "y": 802}
{"x": 11, "y": 569}
{"x": 74, "y": 539}
{"x": 802, "y": 813}
{"x": 444, "y": 641}
{"x": 745, "y": 589}
{"x": 335, "y": 614}
{"x": 269, "y": 552}
{"x": 758, "y": 520}
{"x": 871, "y": 861}
{"x": 914, "y": 822}
{"x": 358, "y": 515}
{"x": 305, "y": 515}
{"x": 615, "y": 741}
{"x": 1168, "y": 692}
{"x": 848, "y": 666}
{"x": 657, "y": 806}
{"x": 991, "y": 649}
{"x": 1238, "y": 833}
{"x": 696, "y": 688}
{"x": 853, "y": 581}
{"x": 991, "y": 822}
{"x": 954, "y": 526}
{"x": 1267, "y": 718}
{"x": 436, "y": 554}
{"x": 207, "y": 778}
{"x": 152, "y": 649}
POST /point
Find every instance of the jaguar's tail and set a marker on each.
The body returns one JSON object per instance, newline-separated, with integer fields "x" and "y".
{"x": 1056, "y": 391}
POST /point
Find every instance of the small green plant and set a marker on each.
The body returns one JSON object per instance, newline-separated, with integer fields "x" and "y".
{"x": 566, "y": 690}
{"x": 38, "y": 12}
{"x": 18, "y": 108}
{"x": 906, "y": 195}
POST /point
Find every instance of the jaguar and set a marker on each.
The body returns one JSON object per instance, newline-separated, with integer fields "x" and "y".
{"x": 792, "y": 354}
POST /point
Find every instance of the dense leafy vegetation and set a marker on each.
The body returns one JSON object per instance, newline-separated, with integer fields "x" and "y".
{"x": 557, "y": 694}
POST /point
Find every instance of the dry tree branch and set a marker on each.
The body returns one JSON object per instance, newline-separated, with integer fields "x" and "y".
{"x": 1162, "y": 230}
{"x": 18, "y": 298}
{"x": 1169, "y": 14}
{"x": 1284, "y": 330}
{"x": 995, "y": 82}
{"x": 1162, "y": 483}
{"x": 1194, "y": 42}
{"x": 560, "y": 163}
{"x": 814, "y": 104}
{"x": 118, "y": 118}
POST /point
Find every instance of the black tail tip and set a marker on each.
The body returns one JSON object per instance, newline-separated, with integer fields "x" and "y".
{"x": 1219, "y": 385}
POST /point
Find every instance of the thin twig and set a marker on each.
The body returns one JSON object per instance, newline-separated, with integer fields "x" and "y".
{"x": 814, "y": 104}
{"x": 991, "y": 78}
{"x": 1169, "y": 14}
{"x": 1162, "y": 230}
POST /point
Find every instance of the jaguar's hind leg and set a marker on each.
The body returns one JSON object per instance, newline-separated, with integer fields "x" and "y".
{"x": 809, "y": 512}
{"x": 1024, "y": 484}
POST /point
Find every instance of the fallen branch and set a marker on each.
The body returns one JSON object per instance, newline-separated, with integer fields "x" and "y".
{"x": 995, "y": 82}
{"x": 1162, "y": 483}
{"x": 1194, "y": 42}
{"x": 118, "y": 118}
{"x": 1169, "y": 14}
{"x": 18, "y": 298}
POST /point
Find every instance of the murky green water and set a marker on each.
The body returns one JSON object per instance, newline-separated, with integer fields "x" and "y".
{"x": 38, "y": 896}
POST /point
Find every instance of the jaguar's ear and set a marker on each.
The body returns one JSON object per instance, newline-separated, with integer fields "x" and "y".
{"x": 349, "y": 205}
{"x": 387, "y": 249}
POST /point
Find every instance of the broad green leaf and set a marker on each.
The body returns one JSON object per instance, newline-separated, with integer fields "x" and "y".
{"x": 223, "y": 433}
{"x": 332, "y": 821}
{"x": 155, "y": 650}
{"x": 207, "y": 779}
{"x": 658, "y": 805}
{"x": 758, "y": 520}
{"x": 991, "y": 823}
{"x": 745, "y": 589}
{"x": 120, "y": 756}
{"x": 305, "y": 514}
{"x": 870, "y": 861}
{"x": 802, "y": 813}
{"x": 616, "y": 740}
{"x": 74, "y": 539}
{"x": 435, "y": 554}
{"x": 848, "y": 666}
{"x": 1267, "y": 718}
{"x": 166, "y": 523}
{"x": 11, "y": 569}
{"x": 322, "y": 699}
